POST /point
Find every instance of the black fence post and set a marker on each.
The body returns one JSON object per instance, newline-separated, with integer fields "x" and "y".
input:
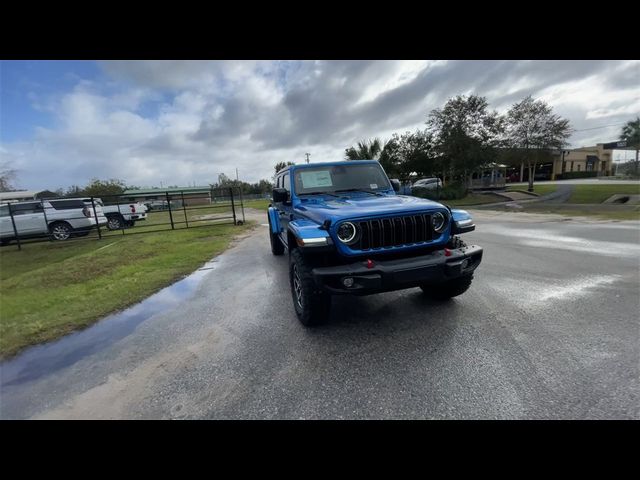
{"x": 242, "y": 204}
{"x": 184, "y": 209}
{"x": 46, "y": 222}
{"x": 233, "y": 206}
{"x": 170, "y": 214}
{"x": 95, "y": 215}
{"x": 121, "y": 219}
{"x": 15, "y": 230}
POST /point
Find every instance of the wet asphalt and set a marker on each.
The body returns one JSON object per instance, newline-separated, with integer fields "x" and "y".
{"x": 549, "y": 329}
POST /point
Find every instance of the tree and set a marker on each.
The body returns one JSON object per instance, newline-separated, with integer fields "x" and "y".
{"x": 7, "y": 175}
{"x": 74, "y": 191}
{"x": 533, "y": 130}
{"x": 408, "y": 153}
{"x": 50, "y": 194}
{"x": 389, "y": 158}
{"x": 365, "y": 150}
{"x": 280, "y": 165}
{"x": 466, "y": 134}
{"x": 104, "y": 188}
{"x": 631, "y": 134}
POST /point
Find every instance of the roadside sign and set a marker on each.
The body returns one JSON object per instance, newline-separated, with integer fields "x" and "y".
{"x": 613, "y": 145}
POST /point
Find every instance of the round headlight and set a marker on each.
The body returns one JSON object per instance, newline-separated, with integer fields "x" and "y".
{"x": 439, "y": 222}
{"x": 346, "y": 232}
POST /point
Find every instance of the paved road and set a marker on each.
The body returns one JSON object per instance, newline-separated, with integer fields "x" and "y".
{"x": 549, "y": 329}
{"x": 582, "y": 181}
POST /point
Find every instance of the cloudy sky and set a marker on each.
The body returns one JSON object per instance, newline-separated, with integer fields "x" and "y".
{"x": 184, "y": 122}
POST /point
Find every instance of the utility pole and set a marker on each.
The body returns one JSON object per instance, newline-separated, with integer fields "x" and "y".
{"x": 308, "y": 155}
{"x": 237, "y": 178}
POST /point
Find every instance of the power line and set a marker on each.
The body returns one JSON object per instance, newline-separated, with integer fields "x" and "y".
{"x": 595, "y": 128}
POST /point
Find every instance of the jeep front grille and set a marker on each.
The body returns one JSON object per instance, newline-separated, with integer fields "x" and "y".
{"x": 393, "y": 232}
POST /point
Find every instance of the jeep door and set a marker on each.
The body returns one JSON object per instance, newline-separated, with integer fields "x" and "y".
{"x": 284, "y": 208}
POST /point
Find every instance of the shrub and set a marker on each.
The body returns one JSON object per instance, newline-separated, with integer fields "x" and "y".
{"x": 453, "y": 191}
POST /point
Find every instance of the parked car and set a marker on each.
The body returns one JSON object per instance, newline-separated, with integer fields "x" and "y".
{"x": 122, "y": 214}
{"x": 348, "y": 232}
{"x": 58, "y": 219}
{"x": 157, "y": 205}
{"x": 428, "y": 183}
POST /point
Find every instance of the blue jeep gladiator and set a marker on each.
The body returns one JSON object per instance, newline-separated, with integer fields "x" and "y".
{"x": 348, "y": 232}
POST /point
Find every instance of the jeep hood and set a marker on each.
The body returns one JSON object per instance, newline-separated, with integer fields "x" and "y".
{"x": 320, "y": 209}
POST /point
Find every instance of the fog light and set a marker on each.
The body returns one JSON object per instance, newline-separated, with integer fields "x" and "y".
{"x": 347, "y": 282}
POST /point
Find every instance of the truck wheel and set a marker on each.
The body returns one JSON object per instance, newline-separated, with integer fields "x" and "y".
{"x": 277, "y": 248}
{"x": 448, "y": 289}
{"x": 311, "y": 304}
{"x": 115, "y": 222}
{"x": 60, "y": 231}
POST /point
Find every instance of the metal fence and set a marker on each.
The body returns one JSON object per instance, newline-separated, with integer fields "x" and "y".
{"x": 38, "y": 221}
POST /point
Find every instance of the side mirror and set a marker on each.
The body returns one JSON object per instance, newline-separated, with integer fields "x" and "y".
{"x": 280, "y": 195}
{"x": 395, "y": 183}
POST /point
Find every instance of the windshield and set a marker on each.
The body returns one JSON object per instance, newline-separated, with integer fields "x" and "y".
{"x": 334, "y": 178}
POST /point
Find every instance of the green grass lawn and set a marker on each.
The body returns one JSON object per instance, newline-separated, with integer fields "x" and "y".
{"x": 50, "y": 289}
{"x": 181, "y": 216}
{"x": 599, "y": 193}
{"x": 543, "y": 189}
{"x": 474, "y": 199}
{"x": 257, "y": 204}
{"x": 604, "y": 213}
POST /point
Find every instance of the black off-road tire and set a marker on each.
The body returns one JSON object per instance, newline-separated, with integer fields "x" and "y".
{"x": 277, "y": 248}
{"x": 448, "y": 289}
{"x": 312, "y": 305}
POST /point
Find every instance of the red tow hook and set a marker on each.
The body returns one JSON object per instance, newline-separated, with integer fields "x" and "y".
{"x": 447, "y": 252}
{"x": 369, "y": 263}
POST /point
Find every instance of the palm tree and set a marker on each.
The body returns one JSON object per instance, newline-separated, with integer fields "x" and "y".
{"x": 631, "y": 133}
{"x": 365, "y": 150}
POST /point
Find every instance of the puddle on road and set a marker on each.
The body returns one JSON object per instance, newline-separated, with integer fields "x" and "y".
{"x": 41, "y": 360}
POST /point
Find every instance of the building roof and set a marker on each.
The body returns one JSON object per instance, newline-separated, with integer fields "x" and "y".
{"x": 160, "y": 191}
{"x": 19, "y": 194}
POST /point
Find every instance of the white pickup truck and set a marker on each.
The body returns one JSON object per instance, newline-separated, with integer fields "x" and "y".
{"x": 58, "y": 219}
{"x": 121, "y": 215}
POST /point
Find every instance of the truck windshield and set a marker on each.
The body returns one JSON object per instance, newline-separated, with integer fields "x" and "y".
{"x": 335, "y": 178}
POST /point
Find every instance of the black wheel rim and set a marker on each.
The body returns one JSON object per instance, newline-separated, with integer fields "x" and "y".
{"x": 297, "y": 287}
{"x": 60, "y": 232}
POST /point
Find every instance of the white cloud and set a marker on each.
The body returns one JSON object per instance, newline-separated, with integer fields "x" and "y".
{"x": 185, "y": 121}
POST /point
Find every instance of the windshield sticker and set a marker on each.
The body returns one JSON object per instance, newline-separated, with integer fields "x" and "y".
{"x": 373, "y": 186}
{"x": 316, "y": 179}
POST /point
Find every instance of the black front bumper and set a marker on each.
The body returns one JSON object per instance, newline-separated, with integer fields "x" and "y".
{"x": 387, "y": 275}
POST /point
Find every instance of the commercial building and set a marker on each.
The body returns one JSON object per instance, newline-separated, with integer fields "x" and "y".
{"x": 595, "y": 161}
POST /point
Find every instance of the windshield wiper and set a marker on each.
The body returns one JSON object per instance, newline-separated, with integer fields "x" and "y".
{"x": 320, "y": 193}
{"x": 360, "y": 190}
